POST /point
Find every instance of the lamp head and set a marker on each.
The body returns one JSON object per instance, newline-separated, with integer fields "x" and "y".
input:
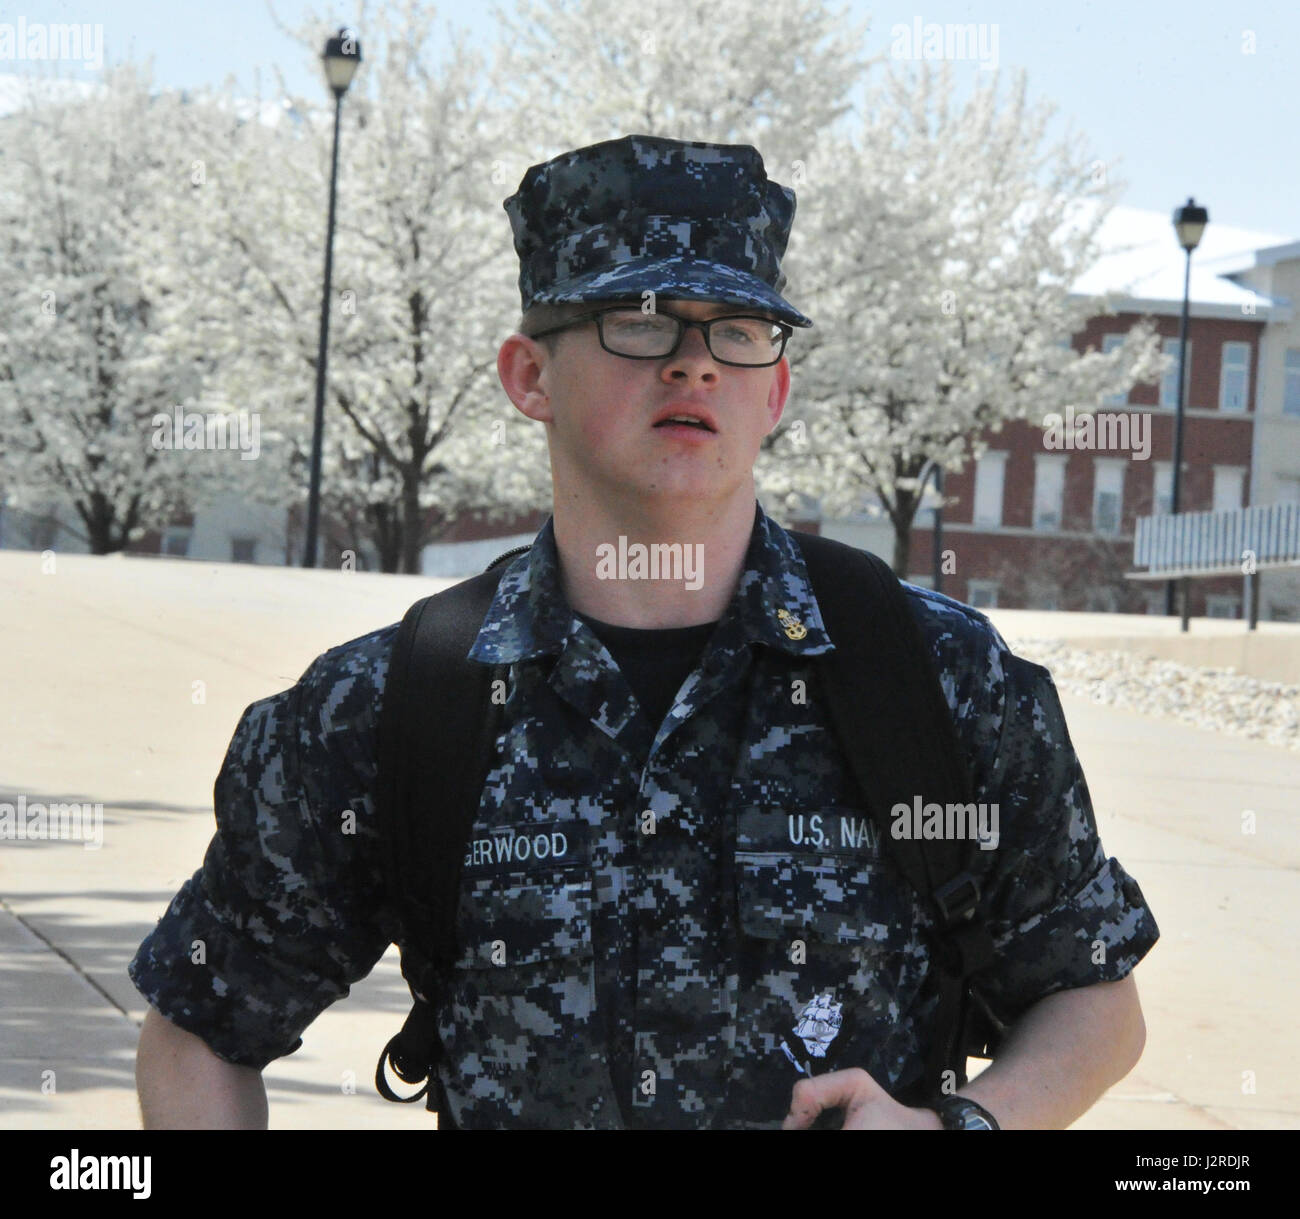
{"x": 341, "y": 57}
{"x": 1189, "y": 223}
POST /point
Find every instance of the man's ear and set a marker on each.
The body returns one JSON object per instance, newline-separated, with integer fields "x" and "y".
{"x": 778, "y": 393}
{"x": 521, "y": 365}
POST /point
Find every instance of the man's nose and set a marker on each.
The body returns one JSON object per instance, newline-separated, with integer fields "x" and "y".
{"x": 692, "y": 360}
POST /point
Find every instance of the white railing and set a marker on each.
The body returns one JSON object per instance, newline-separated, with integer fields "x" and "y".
{"x": 1210, "y": 543}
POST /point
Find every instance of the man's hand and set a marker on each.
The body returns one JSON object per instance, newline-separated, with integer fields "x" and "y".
{"x": 866, "y": 1105}
{"x": 1055, "y": 1063}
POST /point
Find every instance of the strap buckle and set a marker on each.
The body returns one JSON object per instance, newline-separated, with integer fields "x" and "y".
{"x": 957, "y": 899}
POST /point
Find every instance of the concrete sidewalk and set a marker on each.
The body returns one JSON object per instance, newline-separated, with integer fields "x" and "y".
{"x": 99, "y": 675}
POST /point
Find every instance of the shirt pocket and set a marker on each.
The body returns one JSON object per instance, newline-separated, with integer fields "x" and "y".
{"x": 517, "y": 1015}
{"x": 831, "y": 900}
{"x": 509, "y": 922}
{"x": 820, "y": 876}
{"x": 828, "y": 961}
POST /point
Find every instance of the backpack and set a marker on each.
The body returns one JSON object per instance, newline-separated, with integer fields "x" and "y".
{"x": 889, "y": 715}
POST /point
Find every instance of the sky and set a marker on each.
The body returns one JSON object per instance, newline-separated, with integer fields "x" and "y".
{"x": 1177, "y": 97}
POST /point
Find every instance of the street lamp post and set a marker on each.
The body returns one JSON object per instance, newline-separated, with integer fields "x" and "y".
{"x": 938, "y": 529}
{"x": 933, "y": 467}
{"x": 1189, "y": 224}
{"x": 341, "y": 56}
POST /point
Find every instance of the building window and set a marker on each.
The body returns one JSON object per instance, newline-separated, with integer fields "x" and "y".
{"x": 1229, "y": 482}
{"x": 1108, "y": 344}
{"x": 1169, "y": 382}
{"x": 42, "y": 531}
{"x": 1155, "y": 602}
{"x": 1222, "y": 606}
{"x": 1107, "y": 495}
{"x": 1045, "y": 600}
{"x": 176, "y": 541}
{"x": 990, "y": 477}
{"x": 982, "y": 594}
{"x": 1163, "y": 502}
{"x": 1291, "y": 377}
{"x": 242, "y": 550}
{"x": 1234, "y": 377}
{"x": 1101, "y": 601}
{"x": 1049, "y": 490}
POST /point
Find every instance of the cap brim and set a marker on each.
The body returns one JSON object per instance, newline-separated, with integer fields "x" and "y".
{"x": 681, "y": 278}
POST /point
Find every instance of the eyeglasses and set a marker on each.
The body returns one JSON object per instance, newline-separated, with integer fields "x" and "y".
{"x": 741, "y": 341}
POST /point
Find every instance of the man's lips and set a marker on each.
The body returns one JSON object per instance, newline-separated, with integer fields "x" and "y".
{"x": 684, "y": 431}
{"x": 702, "y": 421}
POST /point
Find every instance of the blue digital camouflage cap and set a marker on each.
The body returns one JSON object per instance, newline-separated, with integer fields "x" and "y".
{"x": 679, "y": 218}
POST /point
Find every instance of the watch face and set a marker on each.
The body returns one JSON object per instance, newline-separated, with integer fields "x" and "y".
{"x": 962, "y": 1114}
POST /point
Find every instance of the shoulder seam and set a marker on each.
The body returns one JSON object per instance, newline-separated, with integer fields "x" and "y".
{"x": 927, "y": 596}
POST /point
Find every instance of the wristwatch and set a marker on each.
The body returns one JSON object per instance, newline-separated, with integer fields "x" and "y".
{"x": 962, "y": 1113}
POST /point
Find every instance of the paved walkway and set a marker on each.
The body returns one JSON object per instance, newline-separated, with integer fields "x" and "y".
{"x": 99, "y": 673}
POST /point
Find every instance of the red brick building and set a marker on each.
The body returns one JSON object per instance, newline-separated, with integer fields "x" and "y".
{"x": 1033, "y": 526}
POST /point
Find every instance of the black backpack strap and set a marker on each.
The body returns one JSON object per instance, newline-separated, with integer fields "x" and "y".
{"x": 901, "y": 744}
{"x": 437, "y": 732}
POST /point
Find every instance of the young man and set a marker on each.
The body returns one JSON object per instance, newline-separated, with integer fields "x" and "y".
{"x": 698, "y": 945}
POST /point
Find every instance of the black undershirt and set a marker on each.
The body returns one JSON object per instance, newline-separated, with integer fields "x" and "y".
{"x": 655, "y": 662}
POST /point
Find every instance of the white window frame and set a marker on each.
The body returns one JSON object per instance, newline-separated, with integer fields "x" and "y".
{"x": 1108, "y": 344}
{"x": 1162, "y": 472}
{"x": 1222, "y": 474}
{"x": 1229, "y": 368}
{"x": 1169, "y": 381}
{"x": 1291, "y": 381}
{"x": 982, "y": 594}
{"x": 991, "y": 467}
{"x": 1110, "y": 467}
{"x": 1044, "y": 461}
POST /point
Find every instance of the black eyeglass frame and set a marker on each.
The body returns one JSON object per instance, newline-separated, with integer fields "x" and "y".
{"x": 683, "y": 325}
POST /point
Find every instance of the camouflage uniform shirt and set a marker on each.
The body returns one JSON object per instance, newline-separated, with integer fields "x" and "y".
{"x": 646, "y": 909}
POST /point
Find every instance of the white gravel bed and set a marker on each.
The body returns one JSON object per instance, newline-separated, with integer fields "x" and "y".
{"x": 1222, "y": 700}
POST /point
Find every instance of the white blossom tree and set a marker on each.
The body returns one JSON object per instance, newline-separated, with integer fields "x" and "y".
{"x": 579, "y": 71}
{"x": 86, "y": 358}
{"x": 417, "y": 431}
{"x": 940, "y": 244}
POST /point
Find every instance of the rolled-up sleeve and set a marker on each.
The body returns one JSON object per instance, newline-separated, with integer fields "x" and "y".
{"x": 285, "y": 914}
{"x": 1061, "y": 913}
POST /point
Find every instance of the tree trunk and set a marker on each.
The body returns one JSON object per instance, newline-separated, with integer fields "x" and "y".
{"x": 386, "y": 536}
{"x": 98, "y": 518}
{"x": 904, "y": 512}
{"x": 412, "y": 526}
{"x": 902, "y": 550}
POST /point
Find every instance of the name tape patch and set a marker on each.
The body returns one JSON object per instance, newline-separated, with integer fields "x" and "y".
{"x": 826, "y": 831}
{"x": 526, "y": 847}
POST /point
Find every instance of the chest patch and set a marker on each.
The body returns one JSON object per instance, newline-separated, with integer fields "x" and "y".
{"x": 825, "y": 831}
{"x": 526, "y": 848}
